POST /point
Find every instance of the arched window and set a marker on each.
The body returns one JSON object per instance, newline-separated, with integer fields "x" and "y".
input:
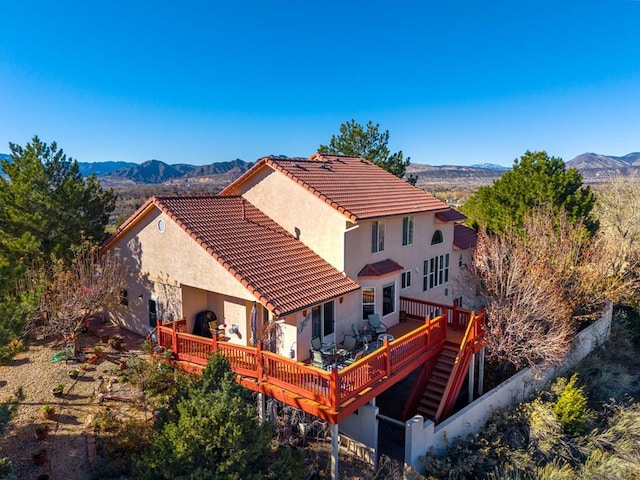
{"x": 437, "y": 238}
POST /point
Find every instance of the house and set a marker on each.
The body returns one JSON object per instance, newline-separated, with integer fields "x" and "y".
{"x": 310, "y": 246}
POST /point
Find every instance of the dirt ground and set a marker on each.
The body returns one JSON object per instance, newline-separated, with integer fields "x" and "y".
{"x": 70, "y": 445}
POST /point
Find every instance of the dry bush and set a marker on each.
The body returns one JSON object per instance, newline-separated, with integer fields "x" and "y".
{"x": 90, "y": 284}
{"x": 534, "y": 281}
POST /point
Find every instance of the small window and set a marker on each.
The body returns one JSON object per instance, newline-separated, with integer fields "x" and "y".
{"x": 124, "y": 298}
{"x": 161, "y": 225}
{"x": 377, "y": 236}
{"x": 368, "y": 302}
{"x": 437, "y": 238}
{"x": 460, "y": 261}
{"x": 406, "y": 279}
{"x": 407, "y": 230}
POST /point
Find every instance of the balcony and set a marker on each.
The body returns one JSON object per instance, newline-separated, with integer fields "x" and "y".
{"x": 334, "y": 395}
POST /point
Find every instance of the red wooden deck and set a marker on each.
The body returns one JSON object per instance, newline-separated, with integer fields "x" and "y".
{"x": 330, "y": 395}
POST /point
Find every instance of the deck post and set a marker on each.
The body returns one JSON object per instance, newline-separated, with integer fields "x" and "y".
{"x": 259, "y": 363}
{"x": 334, "y": 451}
{"x": 262, "y": 408}
{"x": 481, "y": 372}
{"x": 174, "y": 339}
{"x": 385, "y": 342}
{"x": 472, "y": 377}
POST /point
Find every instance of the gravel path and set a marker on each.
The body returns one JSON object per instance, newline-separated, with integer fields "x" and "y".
{"x": 69, "y": 437}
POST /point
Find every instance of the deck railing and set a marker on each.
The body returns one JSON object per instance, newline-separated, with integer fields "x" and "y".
{"x": 331, "y": 389}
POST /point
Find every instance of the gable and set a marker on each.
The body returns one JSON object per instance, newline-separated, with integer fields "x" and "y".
{"x": 355, "y": 187}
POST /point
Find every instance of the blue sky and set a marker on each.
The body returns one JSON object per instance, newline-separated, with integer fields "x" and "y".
{"x": 454, "y": 82}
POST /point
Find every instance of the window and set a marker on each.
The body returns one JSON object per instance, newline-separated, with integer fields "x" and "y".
{"x": 322, "y": 320}
{"x": 329, "y": 318}
{"x": 437, "y": 237}
{"x": 377, "y": 237}
{"x": 388, "y": 299}
{"x": 460, "y": 261}
{"x": 406, "y": 279}
{"x": 161, "y": 225}
{"x": 368, "y": 302}
{"x": 436, "y": 271}
{"x": 124, "y": 298}
{"x": 407, "y": 230}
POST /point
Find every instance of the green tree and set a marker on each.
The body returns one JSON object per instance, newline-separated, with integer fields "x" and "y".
{"x": 46, "y": 206}
{"x": 211, "y": 431}
{"x": 370, "y": 143}
{"x": 535, "y": 181}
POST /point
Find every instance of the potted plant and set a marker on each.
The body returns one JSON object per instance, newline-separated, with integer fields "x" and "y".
{"x": 48, "y": 411}
{"x": 42, "y": 431}
{"x": 40, "y": 456}
{"x": 74, "y": 372}
{"x": 58, "y": 390}
{"x": 115, "y": 342}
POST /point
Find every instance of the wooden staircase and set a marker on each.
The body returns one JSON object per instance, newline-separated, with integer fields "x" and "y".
{"x": 437, "y": 383}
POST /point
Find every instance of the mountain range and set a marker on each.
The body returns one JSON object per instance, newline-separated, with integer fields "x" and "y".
{"x": 591, "y": 165}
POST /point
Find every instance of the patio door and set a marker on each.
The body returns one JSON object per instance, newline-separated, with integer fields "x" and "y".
{"x": 323, "y": 322}
{"x": 152, "y": 308}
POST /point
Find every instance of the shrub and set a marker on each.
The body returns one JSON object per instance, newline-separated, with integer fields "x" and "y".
{"x": 571, "y": 408}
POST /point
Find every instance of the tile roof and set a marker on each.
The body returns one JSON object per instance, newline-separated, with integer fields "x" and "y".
{"x": 380, "y": 269}
{"x": 353, "y": 186}
{"x": 279, "y": 270}
{"x": 450, "y": 215}
{"x": 464, "y": 237}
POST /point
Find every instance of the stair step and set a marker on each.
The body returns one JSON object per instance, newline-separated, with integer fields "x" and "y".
{"x": 431, "y": 395}
{"x": 434, "y": 391}
{"x": 439, "y": 382}
{"x": 449, "y": 353}
{"x": 427, "y": 414}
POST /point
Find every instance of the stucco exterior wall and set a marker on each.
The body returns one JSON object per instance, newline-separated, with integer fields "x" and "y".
{"x": 411, "y": 257}
{"x": 298, "y": 211}
{"x": 161, "y": 263}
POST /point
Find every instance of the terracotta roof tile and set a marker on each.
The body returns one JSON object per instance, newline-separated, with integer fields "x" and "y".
{"x": 353, "y": 186}
{"x": 280, "y": 271}
{"x": 450, "y": 215}
{"x": 381, "y": 268}
{"x": 464, "y": 237}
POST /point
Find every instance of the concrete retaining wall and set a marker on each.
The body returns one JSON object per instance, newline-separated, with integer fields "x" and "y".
{"x": 421, "y": 436}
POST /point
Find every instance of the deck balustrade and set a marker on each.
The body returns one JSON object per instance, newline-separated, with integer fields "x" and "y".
{"x": 334, "y": 394}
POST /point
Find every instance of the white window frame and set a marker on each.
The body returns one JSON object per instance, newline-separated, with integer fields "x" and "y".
{"x": 372, "y": 304}
{"x": 435, "y": 272}
{"x": 405, "y": 280}
{"x": 377, "y": 236}
{"x": 408, "y": 227}
{"x": 391, "y": 285}
{"x": 434, "y": 239}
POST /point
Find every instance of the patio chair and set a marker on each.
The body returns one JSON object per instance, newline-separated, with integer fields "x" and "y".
{"x": 376, "y": 325}
{"x": 316, "y": 344}
{"x": 361, "y": 337}
{"x": 355, "y": 358}
{"x": 348, "y": 347}
{"x": 319, "y": 359}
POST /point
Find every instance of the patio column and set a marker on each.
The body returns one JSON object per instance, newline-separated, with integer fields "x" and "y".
{"x": 334, "y": 451}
